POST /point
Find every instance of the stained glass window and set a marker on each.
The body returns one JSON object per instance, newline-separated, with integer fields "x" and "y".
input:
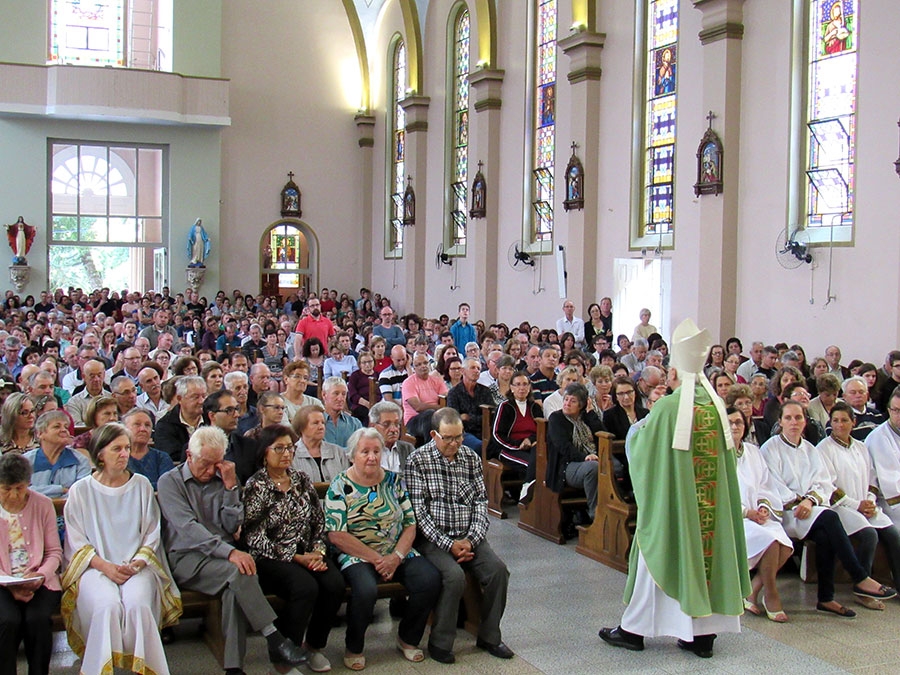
{"x": 87, "y": 32}
{"x": 658, "y": 199}
{"x": 397, "y": 153}
{"x": 831, "y": 113}
{"x": 459, "y": 134}
{"x": 544, "y": 121}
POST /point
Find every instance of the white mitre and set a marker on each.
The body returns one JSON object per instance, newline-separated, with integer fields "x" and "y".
{"x": 690, "y": 347}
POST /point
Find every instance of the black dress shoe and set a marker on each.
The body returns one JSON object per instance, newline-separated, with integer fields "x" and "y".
{"x": 702, "y": 645}
{"x": 500, "y": 650}
{"x": 289, "y": 653}
{"x": 617, "y": 637}
{"x": 441, "y": 655}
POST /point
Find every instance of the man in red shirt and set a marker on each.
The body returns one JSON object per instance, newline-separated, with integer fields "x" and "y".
{"x": 314, "y": 324}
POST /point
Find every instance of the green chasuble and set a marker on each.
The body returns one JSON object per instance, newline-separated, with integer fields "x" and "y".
{"x": 689, "y": 525}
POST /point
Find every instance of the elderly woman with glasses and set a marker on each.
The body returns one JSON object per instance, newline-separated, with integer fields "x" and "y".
{"x": 296, "y": 380}
{"x": 17, "y": 425}
{"x": 29, "y": 549}
{"x": 370, "y": 520}
{"x": 284, "y": 530}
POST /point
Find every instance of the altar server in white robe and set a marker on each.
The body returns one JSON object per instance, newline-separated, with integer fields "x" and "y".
{"x": 117, "y": 590}
{"x": 854, "y": 495}
{"x": 768, "y": 545}
{"x": 884, "y": 448}
{"x": 804, "y": 490}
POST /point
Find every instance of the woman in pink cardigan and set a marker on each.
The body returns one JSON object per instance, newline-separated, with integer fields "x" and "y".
{"x": 29, "y": 550}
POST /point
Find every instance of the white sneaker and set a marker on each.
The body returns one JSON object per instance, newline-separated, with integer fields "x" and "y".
{"x": 527, "y": 493}
{"x": 318, "y": 662}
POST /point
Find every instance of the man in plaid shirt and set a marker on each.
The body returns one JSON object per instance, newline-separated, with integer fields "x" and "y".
{"x": 447, "y": 491}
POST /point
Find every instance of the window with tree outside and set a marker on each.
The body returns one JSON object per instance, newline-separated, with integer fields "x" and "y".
{"x": 107, "y": 203}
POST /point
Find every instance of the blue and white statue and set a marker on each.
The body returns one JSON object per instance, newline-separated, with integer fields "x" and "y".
{"x": 198, "y": 245}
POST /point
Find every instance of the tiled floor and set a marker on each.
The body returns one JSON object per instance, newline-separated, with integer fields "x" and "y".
{"x": 558, "y": 600}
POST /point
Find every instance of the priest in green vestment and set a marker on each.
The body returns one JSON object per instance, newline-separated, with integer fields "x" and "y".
{"x": 688, "y": 568}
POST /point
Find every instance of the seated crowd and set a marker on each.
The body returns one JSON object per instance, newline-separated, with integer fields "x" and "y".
{"x": 273, "y": 437}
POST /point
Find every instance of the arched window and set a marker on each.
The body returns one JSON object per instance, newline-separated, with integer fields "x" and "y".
{"x": 107, "y": 214}
{"x": 654, "y": 190}
{"x": 458, "y": 135}
{"x": 822, "y": 200}
{"x": 396, "y": 152}
{"x": 131, "y": 34}
{"x": 544, "y": 139}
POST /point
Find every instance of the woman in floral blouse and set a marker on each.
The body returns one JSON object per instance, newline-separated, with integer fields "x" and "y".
{"x": 284, "y": 530}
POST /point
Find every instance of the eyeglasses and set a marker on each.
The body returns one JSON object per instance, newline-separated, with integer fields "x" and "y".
{"x": 450, "y": 439}
{"x": 26, "y": 413}
{"x": 388, "y": 425}
{"x": 281, "y": 449}
{"x": 280, "y": 408}
{"x": 230, "y": 410}
{"x": 894, "y": 410}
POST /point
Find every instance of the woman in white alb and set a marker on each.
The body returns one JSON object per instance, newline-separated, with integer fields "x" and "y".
{"x": 768, "y": 545}
{"x": 804, "y": 488}
{"x": 117, "y": 589}
{"x": 854, "y": 496}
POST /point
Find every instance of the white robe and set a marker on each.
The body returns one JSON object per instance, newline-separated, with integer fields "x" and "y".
{"x": 757, "y": 491}
{"x": 854, "y": 479}
{"x": 797, "y": 473}
{"x": 114, "y": 624}
{"x": 884, "y": 449}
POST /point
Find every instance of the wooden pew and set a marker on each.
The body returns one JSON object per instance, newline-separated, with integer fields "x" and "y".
{"x": 608, "y": 539}
{"x": 543, "y": 516}
{"x": 498, "y": 477}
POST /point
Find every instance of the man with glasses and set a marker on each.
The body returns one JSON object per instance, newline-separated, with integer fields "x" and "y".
{"x": 391, "y": 333}
{"x": 174, "y": 429}
{"x": 221, "y": 409}
{"x": 129, "y": 364}
{"x": 384, "y": 416}
{"x": 884, "y": 447}
{"x": 446, "y": 488}
{"x": 314, "y": 324}
{"x": 125, "y": 393}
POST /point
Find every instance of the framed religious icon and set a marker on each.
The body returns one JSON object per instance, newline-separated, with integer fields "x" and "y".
{"x": 574, "y": 183}
{"x": 709, "y": 163}
{"x": 290, "y": 199}
{"x": 479, "y": 195}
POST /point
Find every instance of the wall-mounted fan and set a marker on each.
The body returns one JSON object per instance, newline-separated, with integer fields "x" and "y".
{"x": 441, "y": 258}
{"x": 518, "y": 258}
{"x": 792, "y": 248}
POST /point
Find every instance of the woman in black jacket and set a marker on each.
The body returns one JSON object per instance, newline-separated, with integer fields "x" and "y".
{"x": 572, "y": 446}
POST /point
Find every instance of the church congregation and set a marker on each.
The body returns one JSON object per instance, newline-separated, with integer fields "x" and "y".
{"x": 239, "y": 513}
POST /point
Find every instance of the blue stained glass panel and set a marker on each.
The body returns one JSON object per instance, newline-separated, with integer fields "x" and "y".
{"x": 663, "y": 23}
{"x": 662, "y": 121}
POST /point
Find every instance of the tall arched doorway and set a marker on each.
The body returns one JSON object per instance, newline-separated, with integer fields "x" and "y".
{"x": 290, "y": 258}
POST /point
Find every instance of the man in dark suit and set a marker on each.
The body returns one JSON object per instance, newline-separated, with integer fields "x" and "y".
{"x": 174, "y": 429}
